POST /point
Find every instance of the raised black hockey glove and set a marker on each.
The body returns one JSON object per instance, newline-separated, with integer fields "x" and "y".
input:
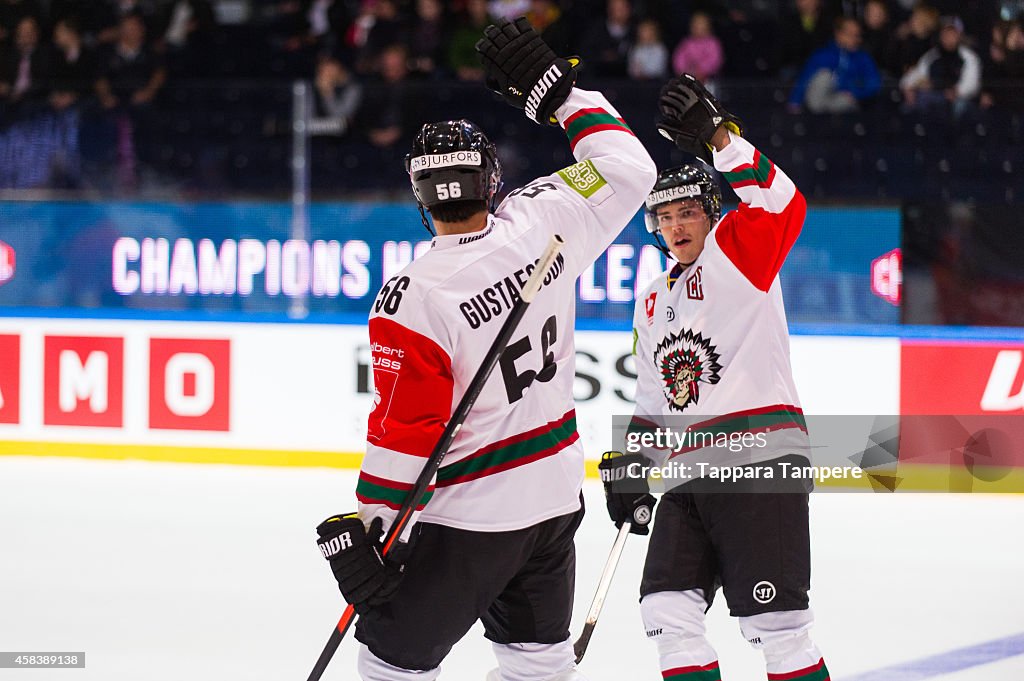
{"x": 628, "y": 497}
{"x": 519, "y": 66}
{"x": 365, "y": 576}
{"x": 689, "y": 115}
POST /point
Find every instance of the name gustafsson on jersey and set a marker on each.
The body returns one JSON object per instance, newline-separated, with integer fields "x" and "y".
{"x": 499, "y": 297}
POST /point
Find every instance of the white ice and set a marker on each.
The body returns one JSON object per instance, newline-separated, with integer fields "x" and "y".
{"x": 190, "y": 572}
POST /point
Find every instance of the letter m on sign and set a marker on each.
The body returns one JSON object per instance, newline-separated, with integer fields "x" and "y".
{"x": 83, "y": 381}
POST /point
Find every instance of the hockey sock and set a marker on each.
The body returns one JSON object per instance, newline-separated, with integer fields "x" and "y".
{"x": 784, "y": 638}
{"x": 675, "y": 621}
{"x": 372, "y": 668}
{"x": 536, "y": 661}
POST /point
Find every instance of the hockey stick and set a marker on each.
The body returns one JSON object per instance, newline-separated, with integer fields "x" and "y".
{"x": 433, "y": 462}
{"x": 580, "y": 646}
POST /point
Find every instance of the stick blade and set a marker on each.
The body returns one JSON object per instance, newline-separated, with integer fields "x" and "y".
{"x": 580, "y": 646}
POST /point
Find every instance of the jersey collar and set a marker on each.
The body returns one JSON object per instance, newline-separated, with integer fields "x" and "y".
{"x": 444, "y": 241}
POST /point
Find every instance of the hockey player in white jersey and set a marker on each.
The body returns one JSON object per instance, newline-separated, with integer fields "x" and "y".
{"x": 712, "y": 355}
{"x": 493, "y": 539}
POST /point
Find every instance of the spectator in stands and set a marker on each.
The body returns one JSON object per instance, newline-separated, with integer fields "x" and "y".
{"x": 338, "y": 94}
{"x": 462, "y": 56}
{"x": 947, "y": 77}
{"x": 426, "y": 40}
{"x": 387, "y": 106}
{"x": 1004, "y": 72}
{"x": 606, "y": 42}
{"x": 328, "y": 21}
{"x": 508, "y": 9}
{"x": 188, "y": 39}
{"x": 24, "y": 68}
{"x": 915, "y": 37}
{"x": 384, "y": 27}
{"x": 978, "y": 16}
{"x": 648, "y": 58}
{"x": 73, "y": 68}
{"x": 700, "y": 53}
{"x": 292, "y": 45}
{"x": 107, "y": 16}
{"x": 878, "y": 35}
{"x": 131, "y": 74}
{"x": 547, "y": 17}
{"x": 801, "y": 32}
{"x": 837, "y": 78}
{"x": 11, "y": 14}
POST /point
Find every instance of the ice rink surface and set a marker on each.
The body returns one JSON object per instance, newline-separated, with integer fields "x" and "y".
{"x": 179, "y": 572}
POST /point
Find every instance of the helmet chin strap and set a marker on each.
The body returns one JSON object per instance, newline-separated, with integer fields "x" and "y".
{"x": 426, "y": 222}
{"x": 660, "y": 244}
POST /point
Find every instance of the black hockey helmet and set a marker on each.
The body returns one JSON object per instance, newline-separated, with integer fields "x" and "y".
{"x": 683, "y": 182}
{"x": 453, "y": 161}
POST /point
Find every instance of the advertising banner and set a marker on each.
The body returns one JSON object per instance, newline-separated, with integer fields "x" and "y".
{"x": 214, "y": 260}
{"x": 301, "y": 393}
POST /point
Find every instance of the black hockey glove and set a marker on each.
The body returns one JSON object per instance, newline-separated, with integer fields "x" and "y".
{"x": 366, "y": 578}
{"x": 519, "y": 66}
{"x": 689, "y": 115}
{"x": 636, "y": 505}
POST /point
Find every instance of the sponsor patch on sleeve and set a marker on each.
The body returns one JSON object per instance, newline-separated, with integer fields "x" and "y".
{"x": 587, "y": 181}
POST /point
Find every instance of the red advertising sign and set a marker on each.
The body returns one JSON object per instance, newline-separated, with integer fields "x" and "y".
{"x": 943, "y": 377}
{"x": 83, "y": 381}
{"x": 189, "y": 384}
{"x": 10, "y": 378}
{"x": 974, "y": 393}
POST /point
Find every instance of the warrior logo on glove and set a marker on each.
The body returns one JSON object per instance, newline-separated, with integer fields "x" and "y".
{"x": 365, "y": 577}
{"x": 336, "y": 544}
{"x": 549, "y": 78}
{"x": 516, "y": 60}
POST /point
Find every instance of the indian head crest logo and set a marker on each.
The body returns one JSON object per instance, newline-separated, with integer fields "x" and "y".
{"x": 686, "y": 360}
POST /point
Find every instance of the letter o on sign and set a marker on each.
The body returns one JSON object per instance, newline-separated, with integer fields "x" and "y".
{"x": 189, "y": 383}
{"x": 178, "y": 399}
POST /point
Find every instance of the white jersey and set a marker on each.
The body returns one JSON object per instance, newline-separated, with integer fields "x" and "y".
{"x": 711, "y": 339}
{"x": 517, "y": 459}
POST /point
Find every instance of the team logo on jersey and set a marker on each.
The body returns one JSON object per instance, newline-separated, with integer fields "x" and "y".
{"x": 686, "y": 360}
{"x": 384, "y": 381}
{"x": 649, "y": 306}
{"x": 694, "y": 285}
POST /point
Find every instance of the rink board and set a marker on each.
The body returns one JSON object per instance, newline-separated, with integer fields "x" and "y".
{"x": 299, "y": 394}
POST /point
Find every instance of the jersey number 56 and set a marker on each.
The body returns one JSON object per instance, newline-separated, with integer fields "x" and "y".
{"x": 516, "y": 383}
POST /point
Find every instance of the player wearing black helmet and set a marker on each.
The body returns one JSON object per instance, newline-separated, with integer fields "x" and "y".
{"x": 454, "y": 170}
{"x": 681, "y": 209}
{"x": 712, "y": 356}
{"x": 494, "y": 539}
